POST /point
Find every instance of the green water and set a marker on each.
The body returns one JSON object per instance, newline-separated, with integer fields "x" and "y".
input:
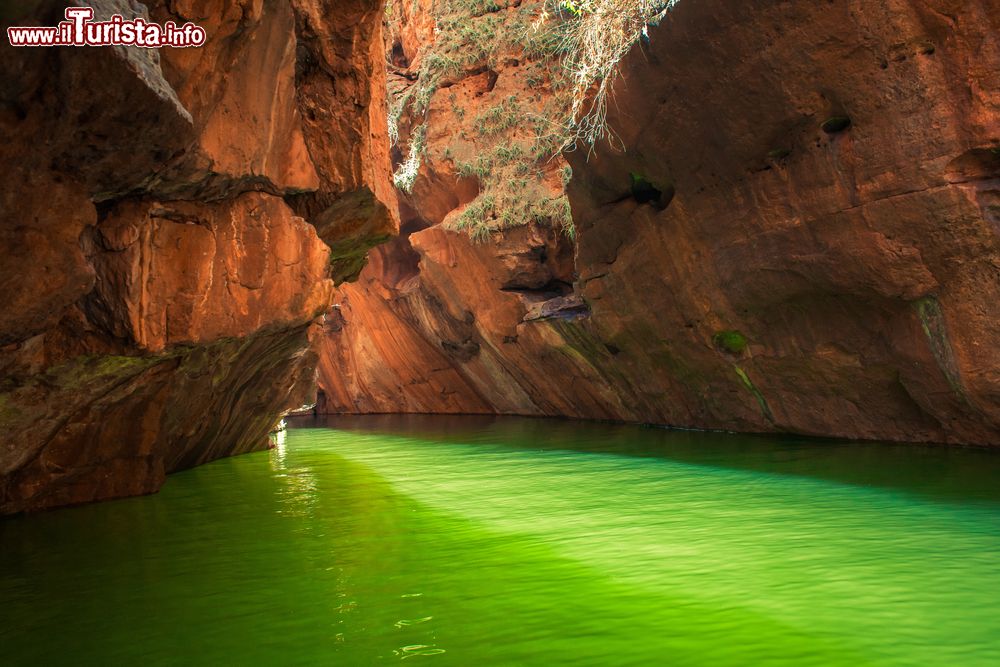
{"x": 471, "y": 541}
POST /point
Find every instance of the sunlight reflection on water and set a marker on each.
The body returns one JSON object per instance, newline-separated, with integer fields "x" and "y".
{"x": 518, "y": 541}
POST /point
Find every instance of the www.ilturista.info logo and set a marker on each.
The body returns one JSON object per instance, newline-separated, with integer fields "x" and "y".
{"x": 79, "y": 30}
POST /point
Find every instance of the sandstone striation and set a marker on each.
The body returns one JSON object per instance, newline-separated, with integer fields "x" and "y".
{"x": 796, "y": 231}
{"x": 166, "y": 226}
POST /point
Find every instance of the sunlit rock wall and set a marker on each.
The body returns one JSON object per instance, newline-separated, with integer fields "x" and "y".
{"x": 797, "y": 232}
{"x": 166, "y": 225}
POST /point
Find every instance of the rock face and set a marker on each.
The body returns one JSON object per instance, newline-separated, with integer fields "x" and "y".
{"x": 408, "y": 336}
{"x": 161, "y": 274}
{"x": 800, "y": 235}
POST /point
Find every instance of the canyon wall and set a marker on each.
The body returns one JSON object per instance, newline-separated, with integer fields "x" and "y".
{"x": 172, "y": 226}
{"x": 795, "y": 230}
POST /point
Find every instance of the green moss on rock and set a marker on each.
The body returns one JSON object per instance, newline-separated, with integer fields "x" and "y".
{"x": 761, "y": 401}
{"x": 84, "y": 370}
{"x": 730, "y": 341}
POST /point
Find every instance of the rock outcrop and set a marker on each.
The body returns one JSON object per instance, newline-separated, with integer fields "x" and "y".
{"x": 400, "y": 341}
{"x": 166, "y": 226}
{"x": 800, "y": 235}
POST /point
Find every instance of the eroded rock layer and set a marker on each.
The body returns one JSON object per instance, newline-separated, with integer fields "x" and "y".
{"x": 800, "y": 234}
{"x": 161, "y": 276}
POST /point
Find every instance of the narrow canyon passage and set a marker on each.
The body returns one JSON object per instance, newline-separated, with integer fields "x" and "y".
{"x": 500, "y": 332}
{"x": 531, "y": 542}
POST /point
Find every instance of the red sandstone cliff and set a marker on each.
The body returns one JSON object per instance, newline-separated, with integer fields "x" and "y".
{"x": 749, "y": 261}
{"x": 172, "y": 224}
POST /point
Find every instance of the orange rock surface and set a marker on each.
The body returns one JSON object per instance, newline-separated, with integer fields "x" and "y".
{"x": 172, "y": 224}
{"x": 797, "y": 234}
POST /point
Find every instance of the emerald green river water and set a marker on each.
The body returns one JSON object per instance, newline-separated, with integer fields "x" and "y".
{"x": 480, "y": 541}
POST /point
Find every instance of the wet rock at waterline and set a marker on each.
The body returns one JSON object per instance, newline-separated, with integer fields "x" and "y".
{"x": 161, "y": 275}
{"x": 798, "y": 232}
{"x": 795, "y": 231}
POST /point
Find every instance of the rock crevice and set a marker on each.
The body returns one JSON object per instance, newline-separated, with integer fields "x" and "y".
{"x": 824, "y": 181}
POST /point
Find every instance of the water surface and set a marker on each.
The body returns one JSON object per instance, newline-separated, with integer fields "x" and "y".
{"x": 466, "y": 541}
